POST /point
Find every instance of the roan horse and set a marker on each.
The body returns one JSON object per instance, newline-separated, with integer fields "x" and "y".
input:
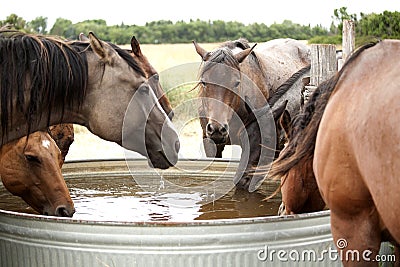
{"x": 46, "y": 80}
{"x": 232, "y": 72}
{"x": 31, "y": 169}
{"x": 349, "y": 133}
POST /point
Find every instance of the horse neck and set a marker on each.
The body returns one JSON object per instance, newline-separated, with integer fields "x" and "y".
{"x": 291, "y": 90}
{"x": 251, "y": 69}
{"x": 5, "y": 148}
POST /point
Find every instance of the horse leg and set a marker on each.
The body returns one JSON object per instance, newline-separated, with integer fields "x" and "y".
{"x": 220, "y": 148}
{"x": 357, "y": 236}
{"x": 396, "y": 256}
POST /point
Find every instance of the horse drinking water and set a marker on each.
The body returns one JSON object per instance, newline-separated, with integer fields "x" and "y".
{"x": 31, "y": 169}
{"x": 229, "y": 74}
{"x": 349, "y": 134}
{"x": 46, "y": 80}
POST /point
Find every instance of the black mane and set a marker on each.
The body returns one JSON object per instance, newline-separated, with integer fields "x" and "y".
{"x": 42, "y": 71}
{"x": 282, "y": 89}
{"x": 37, "y": 72}
{"x": 305, "y": 125}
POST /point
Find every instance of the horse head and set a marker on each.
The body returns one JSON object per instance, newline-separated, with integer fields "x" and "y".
{"x": 152, "y": 75}
{"x": 123, "y": 108}
{"x": 31, "y": 169}
{"x": 263, "y": 139}
{"x": 220, "y": 82}
{"x": 63, "y": 135}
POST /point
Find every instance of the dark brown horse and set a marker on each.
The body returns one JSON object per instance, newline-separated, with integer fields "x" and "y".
{"x": 235, "y": 71}
{"x": 63, "y": 135}
{"x": 152, "y": 75}
{"x": 31, "y": 169}
{"x": 349, "y": 133}
{"x": 46, "y": 81}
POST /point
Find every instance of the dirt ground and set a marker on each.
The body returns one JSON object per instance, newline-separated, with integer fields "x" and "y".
{"x": 88, "y": 146}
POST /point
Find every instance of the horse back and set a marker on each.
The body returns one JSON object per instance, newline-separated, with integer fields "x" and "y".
{"x": 281, "y": 58}
{"x": 357, "y": 152}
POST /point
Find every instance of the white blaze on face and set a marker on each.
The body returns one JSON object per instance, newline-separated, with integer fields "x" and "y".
{"x": 46, "y": 143}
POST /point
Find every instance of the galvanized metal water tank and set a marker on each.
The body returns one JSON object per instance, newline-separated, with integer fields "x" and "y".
{"x": 33, "y": 240}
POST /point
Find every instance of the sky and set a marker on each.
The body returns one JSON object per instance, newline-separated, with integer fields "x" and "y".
{"x": 304, "y": 12}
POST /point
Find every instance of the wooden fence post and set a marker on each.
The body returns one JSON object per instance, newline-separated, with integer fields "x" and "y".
{"x": 348, "y": 41}
{"x": 323, "y": 66}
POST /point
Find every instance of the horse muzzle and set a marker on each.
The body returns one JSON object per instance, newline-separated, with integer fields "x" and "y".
{"x": 217, "y": 132}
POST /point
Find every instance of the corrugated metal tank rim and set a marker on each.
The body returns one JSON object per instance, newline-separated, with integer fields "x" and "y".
{"x": 269, "y": 219}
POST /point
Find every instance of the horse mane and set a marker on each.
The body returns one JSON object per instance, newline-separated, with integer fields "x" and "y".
{"x": 39, "y": 71}
{"x": 283, "y": 88}
{"x": 126, "y": 56}
{"x": 305, "y": 125}
{"x": 223, "y": 55}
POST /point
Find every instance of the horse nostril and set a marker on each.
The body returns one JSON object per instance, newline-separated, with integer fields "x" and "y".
{"x": 62, "y": 211}
{"x": 210, "y": 128}
{"x": 177, "y": 146}
{"x": 224, "y": 129}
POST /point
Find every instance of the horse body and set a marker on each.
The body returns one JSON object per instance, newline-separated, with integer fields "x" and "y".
{"x": 31, "y": 169}
{"x": 360, "y": 132}
{"x": 348, "y": 132}
{"x": 236, "y": 71}
{"x": 45, "y": 81}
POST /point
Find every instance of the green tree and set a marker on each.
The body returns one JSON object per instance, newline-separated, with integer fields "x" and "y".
{"x": 17, "y": 22}
{"x": 63, "y": 27}
{"x": 38, "y": 25}
{"x": 341, "y": 14}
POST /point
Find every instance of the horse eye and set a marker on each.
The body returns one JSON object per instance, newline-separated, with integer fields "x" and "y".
{"x": 144, "y": 90}
{"x": 203, "y": 83}
{"x": 237, "y": 83}
{"x": 32, "y": 159}
{"x": 156, "y": 77}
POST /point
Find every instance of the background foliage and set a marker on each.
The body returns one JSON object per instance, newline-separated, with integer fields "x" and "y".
{"x": 384, "y": 25}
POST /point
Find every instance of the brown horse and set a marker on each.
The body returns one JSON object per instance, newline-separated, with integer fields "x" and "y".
{"x": 349, "y": 133}
{"x": 31, "y": 169}
{"x": 235, "y": 71}
{"x": 46, "y": 81}
{"x": 63, "y": 135}
{"x": 152, "y": 75}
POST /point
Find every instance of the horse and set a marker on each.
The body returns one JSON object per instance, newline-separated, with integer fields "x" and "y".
{"x": 349, "y": 134}
{"x": 285, "y": 103}
{"x": 45, "y": 80}
{"x": 150, "y": 71}
{"x": 63, "y": 135}
{"x": 152, "y": 75}
{"x": 31, "y": 169}
{"x": 229, "y": 74}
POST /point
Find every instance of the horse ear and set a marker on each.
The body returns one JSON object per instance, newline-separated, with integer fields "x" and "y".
{"x": 278, "y": 112}
{"x": 136, "y": 47}
{"x": 285, "y": 122}
{"x": 243, "y": 54}
{"x": 248, "y": 105}
{"x": 102, "y": 49}
{"x": 201, "y": 51}
{"x": 83, "y": 37}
